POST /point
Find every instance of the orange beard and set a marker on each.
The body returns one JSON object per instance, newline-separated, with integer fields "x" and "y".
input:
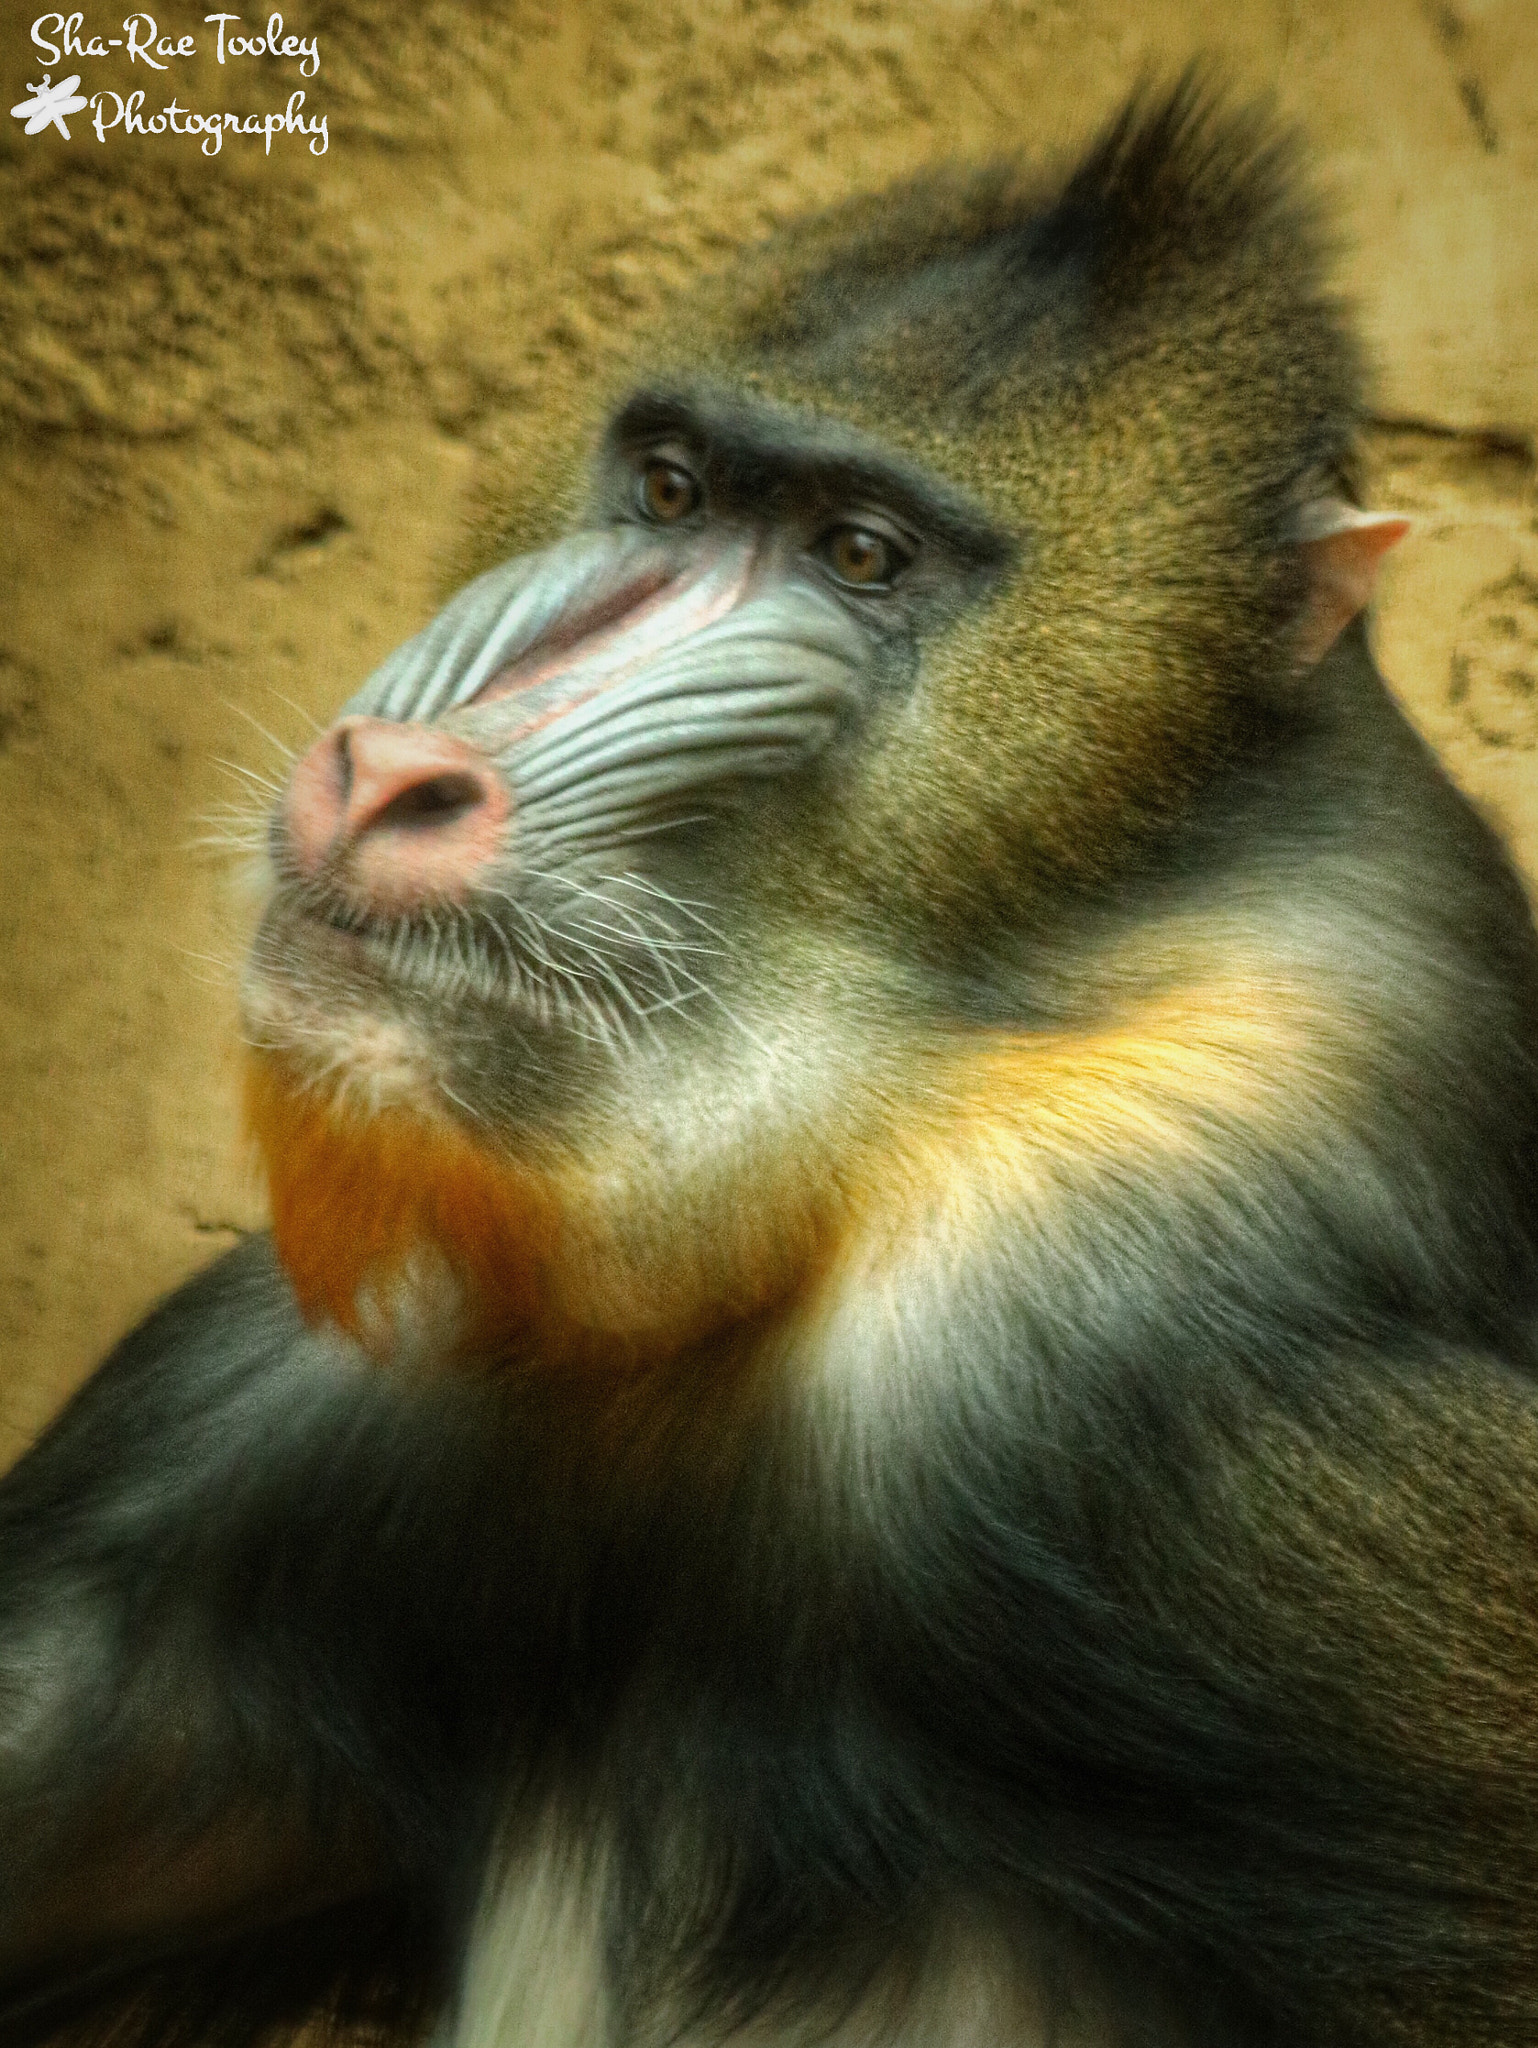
{"x": 369, "y": 1210}
{"x": 426, "y": 1244}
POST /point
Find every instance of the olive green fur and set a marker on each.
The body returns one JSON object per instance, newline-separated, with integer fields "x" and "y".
{"x": 1140, "y": 373}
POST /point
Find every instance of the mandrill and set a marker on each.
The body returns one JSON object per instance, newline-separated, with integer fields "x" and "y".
{"x": 893, "y": 1400}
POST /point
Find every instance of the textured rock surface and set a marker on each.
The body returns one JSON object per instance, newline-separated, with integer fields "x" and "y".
{"x": 246, "y": 400}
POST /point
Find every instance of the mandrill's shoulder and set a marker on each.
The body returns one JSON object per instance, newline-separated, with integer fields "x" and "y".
{"x": 1280, "y": 1081}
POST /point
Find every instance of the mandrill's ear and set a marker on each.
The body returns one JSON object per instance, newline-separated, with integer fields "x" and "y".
{"x": 1342, "y": 548}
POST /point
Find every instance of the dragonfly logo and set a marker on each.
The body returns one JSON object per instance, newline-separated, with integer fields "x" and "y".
{"x": 49, "y": 105}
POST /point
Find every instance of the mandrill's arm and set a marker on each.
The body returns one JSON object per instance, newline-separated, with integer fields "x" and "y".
{"x": 221, "y": 1706}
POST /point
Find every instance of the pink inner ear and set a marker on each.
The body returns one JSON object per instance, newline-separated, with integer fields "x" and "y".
{"x": 1342, "y": 569}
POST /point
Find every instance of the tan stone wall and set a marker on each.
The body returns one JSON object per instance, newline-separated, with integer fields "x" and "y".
{"x": 244, "y": 401}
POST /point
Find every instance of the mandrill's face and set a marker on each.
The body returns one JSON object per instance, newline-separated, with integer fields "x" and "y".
{"x": 533, "y": 840}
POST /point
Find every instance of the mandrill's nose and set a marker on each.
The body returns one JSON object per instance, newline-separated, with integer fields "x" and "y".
{"x": 407, "y": 815}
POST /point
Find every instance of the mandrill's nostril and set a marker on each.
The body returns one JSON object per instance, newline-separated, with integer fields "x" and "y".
{"x": 407, "y": 777}
{"x": 437, "y": 801}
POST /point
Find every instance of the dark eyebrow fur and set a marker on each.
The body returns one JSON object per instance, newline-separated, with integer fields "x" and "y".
{"x": 760, "y": 450}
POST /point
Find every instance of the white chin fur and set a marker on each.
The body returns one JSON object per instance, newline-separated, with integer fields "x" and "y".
{"x": 361, "y": 1061}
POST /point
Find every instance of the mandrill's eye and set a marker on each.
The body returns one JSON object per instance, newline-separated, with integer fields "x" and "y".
{"x": 665, "y": 491}
{"x": 861, "y": 557}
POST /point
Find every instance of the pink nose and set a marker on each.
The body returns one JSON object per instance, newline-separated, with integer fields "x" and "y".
{"x": 407, "y": 814}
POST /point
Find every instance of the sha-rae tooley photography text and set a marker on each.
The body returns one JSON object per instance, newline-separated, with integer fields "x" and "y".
{"x": 62, "y": 38}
